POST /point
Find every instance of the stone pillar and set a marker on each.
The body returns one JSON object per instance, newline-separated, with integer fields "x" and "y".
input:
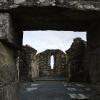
{"x": 8, "y": 69}
{"x": 93, "y": 56}
{"x": 8, "y": 73}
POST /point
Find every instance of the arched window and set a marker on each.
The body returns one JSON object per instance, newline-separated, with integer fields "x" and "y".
{"x": 52, "y": 62}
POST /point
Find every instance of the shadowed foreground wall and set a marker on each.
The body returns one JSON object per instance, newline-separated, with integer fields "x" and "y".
{"x": 8, "y": 69}
{"x": 76, "y": 61}
{"x": 93, "y": 53}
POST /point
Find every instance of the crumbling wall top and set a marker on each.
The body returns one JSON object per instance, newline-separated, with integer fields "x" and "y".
{"x": 73, "y": 4}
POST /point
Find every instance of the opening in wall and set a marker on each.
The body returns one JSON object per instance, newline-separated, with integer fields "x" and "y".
{"x": 46, "y": 50}
{"x": 52, "y": 62}
{"x": 49, "y": 39}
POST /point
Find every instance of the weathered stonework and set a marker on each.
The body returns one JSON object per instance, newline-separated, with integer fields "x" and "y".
{"x": 93, "y": 53}
{"x": 28, "y": 65}
{"x": 7, "y": 30}
{"x": 8, "y": 69}
{"x": 76, "y": 56}
{"x": 59, "y": 63}
{"x": 7, "y": 64}
{"x": 19, "y": 15}
{"x": 9, "y": 91}
{"x": 8, "y": 73}
{"x": 73, "y": 4}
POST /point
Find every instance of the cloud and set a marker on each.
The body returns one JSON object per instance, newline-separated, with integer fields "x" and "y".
{"x": 42, "y": 40}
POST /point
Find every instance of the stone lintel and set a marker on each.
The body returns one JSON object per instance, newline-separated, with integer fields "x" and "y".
{"x": 73, "y": 4}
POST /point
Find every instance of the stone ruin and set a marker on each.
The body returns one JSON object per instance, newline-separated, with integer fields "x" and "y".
{"x": 71, "y": 64}
{"x": 77, "y": 71}
{"x": 32, "y": 65}
{"x": 28, "y": 65}
{"x": 59, "y": 69}
{"x": 17, "y": 16}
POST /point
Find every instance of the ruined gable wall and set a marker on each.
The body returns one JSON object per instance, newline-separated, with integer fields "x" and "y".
{"x": 59, "y": 65}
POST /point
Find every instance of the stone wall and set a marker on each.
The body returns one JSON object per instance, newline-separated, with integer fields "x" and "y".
{"x": 59, "y": 63}
{"x": 74, "y": 4}
{"x": 93, "y": 53}
{"x": 76, "y": 61}
{"x": 28, "y": 65}
{"x": 8, "y": 31}
{"x": 9, "y": 91}
{"x": 70, "y": 14}
{"x": 8, "y": 73}
{"x": 44, "y": 68}
{"x": 8, "y": 52}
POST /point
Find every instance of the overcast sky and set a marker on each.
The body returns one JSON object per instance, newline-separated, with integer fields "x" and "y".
{"x": 42, "y": 40}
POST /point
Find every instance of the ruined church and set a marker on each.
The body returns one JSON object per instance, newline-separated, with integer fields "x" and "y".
{"x": 17, "y": 16}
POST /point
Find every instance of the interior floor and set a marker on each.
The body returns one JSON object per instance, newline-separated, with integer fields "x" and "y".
{"x": 56, "y": 90}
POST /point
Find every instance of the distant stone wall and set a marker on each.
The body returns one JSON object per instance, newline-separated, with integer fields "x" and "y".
{"x": 28, "y": 65}
{"x": 44, "y": 67}
{"x": 34, "y": 68}
{"x": 59, "y": 63}
{"x": 76, "y": 61}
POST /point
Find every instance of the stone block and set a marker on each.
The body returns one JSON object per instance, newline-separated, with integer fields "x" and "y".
{"x": 1, "y": 94}
{"x": 8, "y": 70}
{"x": 9, "y": 92}
{"x": 7, "y": 29}
{"x": 4, "y": 25}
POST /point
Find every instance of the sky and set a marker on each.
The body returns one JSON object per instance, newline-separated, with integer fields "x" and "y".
{"x": 42, "y": 40}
